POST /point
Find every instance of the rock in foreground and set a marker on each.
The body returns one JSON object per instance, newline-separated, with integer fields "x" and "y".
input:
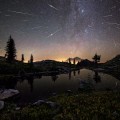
{"x": 7, "y": 93}
{"x": 1, "y": 105}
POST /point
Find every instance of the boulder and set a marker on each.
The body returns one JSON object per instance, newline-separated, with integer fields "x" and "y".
{"x": 51, "y": 104}
{"x": 1, "y": 105}
{"x": 54, "y": 94}
{"x": 69, "y": 91}
{"x": 115, "y": 114}
{"x": 7, "y": 93}
{"x": 17, "y": 108}
{"x": 39, "y": 102}
{"x": 48, "y": 103}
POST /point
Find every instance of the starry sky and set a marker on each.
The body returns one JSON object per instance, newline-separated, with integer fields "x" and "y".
{"x": 59, "y": 29}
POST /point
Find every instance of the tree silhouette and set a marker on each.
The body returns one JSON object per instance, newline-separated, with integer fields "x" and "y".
{"x": 22, "y": 59}
{"x": 69, "y": 61}
{"x": 31, "y": 58}
{"x": 74, "y": 61}
{"x": 10, "y": 50}
{"x": 31, "y": 63}
{"x": 96, "y": 59}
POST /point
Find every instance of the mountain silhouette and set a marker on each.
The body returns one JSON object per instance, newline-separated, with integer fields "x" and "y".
{"x": 114, "y": 61}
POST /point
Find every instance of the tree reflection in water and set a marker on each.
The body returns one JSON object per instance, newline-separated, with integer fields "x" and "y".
{"x": 70, "y": 75}
{"x": 78, "y": 71}
{"x": 97, "y": 77}
{"x": 54, "y": 78}
{"x": 30, "y": 82}
{"x": 74, "y": 72}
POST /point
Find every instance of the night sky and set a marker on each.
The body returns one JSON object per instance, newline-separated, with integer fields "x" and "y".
{"x": 59, "y": 29}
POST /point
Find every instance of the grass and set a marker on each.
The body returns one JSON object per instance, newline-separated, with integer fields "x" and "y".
{"x": 81, "y": 106}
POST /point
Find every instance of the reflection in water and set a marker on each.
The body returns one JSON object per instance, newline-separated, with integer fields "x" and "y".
{"x": 97, "y": 77}
{"x": 22, "y": 79}
{"x": 69, "y": 74}
{"x": 78, "y": 72}
{"x": 39, "y": 76}
{"x": 30, "y": 82}
{"x": 8, "y": 82}
{"x": 35, "y": 87}
{"x": 54, "y": 78}
{"x": 74, "y": 72}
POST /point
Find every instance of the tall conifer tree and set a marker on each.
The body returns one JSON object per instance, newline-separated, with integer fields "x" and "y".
{"x": 10, "y": 50}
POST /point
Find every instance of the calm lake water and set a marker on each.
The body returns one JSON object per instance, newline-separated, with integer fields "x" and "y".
{"x": 32, "y": 90}
{"x": 40, "y": 88}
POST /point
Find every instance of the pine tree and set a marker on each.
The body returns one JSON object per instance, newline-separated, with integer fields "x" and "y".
{"x": 10, "y": 50}
{"x": 31, "y": 58}
{"x": 74, "y": 61}
{"x": 31, "y": 63}
{"x": 22, "y": 59}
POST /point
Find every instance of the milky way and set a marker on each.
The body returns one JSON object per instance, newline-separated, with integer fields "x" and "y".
{"x": 58, "y": 29}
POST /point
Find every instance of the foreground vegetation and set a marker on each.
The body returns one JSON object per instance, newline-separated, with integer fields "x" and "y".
{"x": 81, "y": 106}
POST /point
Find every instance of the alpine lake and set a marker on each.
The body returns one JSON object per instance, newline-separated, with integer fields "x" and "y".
{"x": 34, "y": 88}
